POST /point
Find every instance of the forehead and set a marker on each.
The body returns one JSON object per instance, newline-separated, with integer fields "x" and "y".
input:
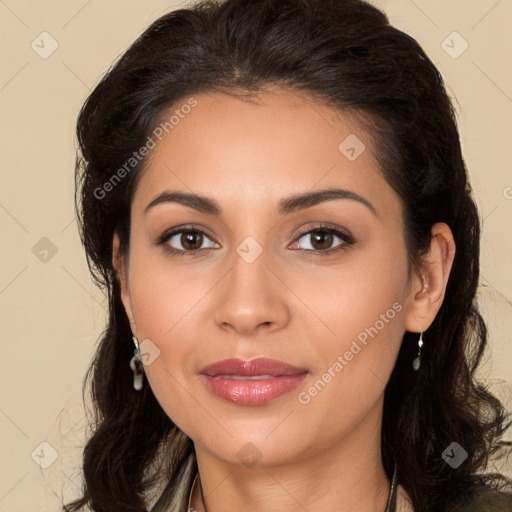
{"x": 244, "y": 150}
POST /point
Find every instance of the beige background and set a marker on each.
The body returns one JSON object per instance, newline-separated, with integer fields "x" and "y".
{"x": 51, "y": 313}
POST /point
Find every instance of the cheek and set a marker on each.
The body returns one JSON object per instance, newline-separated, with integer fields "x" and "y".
{"x": 368, "y": 331}
{"x": 164, "y": 303}
{"x": 363, "y": 306}
{"x": 362, "y": 292}
{"x": 163, "y": 295}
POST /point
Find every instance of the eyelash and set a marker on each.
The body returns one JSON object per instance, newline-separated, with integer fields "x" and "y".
{"x": 347, "y": 240}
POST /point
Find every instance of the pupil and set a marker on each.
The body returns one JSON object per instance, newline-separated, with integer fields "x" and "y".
{"x": 188, "y": 240}
{"x": 325, "y": 236}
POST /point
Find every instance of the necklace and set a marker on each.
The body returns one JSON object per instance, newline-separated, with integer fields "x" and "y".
{"x": 390, "y": 507}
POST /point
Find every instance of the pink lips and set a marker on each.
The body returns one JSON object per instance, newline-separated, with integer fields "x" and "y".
{"x": 251, "y": 382}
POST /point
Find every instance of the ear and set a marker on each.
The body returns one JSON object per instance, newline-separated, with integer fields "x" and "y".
{"x": 428, "y": 287}
{"x": 121, "y": 270}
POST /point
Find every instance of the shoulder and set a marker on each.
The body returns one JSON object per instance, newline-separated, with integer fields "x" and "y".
{"x": 481, "y": 498}
{"x": 403, "y": 501}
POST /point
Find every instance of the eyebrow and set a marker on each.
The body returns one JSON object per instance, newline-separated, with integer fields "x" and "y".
{"x": 286, "y": 206}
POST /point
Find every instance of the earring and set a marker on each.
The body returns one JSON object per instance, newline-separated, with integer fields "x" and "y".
{"x": 417, "y": 360}
{"x": 136, "y": 366}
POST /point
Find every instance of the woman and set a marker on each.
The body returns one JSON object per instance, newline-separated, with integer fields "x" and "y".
{"x": 273, "y": 195}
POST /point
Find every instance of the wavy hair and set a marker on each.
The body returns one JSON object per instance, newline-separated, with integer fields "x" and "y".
{"x": 346, "y": 55}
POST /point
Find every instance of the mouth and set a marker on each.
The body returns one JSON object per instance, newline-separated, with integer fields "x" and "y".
{"x": 244, "y": 377}
{"x": 251, "y": 382}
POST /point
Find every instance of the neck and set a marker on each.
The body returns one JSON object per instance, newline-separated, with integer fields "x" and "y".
{"x": 348, "y": 476}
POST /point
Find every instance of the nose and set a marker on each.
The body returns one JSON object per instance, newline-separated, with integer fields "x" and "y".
{"x": 253, "y": 297}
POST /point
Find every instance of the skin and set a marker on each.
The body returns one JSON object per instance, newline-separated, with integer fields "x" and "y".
{"x": 297, "y": 306}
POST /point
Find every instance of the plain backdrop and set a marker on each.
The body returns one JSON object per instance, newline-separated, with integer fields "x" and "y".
{"x": 52, "y": 54}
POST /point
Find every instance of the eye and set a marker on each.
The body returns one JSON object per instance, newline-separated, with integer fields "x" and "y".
{"x": 321, "y": 239}
{"x": 185, "y": 241}
{"x": 191, "y": 241}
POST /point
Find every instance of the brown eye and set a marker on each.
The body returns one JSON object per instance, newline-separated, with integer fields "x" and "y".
{"x": 187, "y": 240}
{"x": 191, "y": 240}
{"x": 321, "y": 240}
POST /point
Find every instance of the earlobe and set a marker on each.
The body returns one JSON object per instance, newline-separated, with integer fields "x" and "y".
{"x": 119, "y": 265}
{"x": 429, "y": 287}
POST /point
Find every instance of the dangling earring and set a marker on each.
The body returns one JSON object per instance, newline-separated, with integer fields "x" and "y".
{"x": 136, "y": 366}
{"x": 417, "y": 360}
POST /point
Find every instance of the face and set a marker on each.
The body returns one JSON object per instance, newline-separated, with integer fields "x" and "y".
{"x": 322, "y": 286}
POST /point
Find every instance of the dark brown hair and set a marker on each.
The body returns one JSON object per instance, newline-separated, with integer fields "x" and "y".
{"x": 344, "y": 54}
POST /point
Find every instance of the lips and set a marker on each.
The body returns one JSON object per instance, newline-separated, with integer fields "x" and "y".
{"x": 251, "y": 382}
{"x": 251, "y": 367}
